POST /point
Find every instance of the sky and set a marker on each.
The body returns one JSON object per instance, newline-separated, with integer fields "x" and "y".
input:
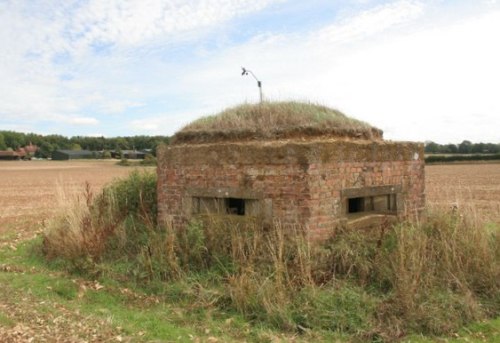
{"x": 419, "y": 70}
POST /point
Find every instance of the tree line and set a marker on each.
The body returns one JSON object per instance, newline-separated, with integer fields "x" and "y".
{"x": 466, "y": 147}
{"x": 47, "y": 144}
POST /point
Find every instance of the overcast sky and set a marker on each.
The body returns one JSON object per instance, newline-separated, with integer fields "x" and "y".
{"x": 419, "y": 70}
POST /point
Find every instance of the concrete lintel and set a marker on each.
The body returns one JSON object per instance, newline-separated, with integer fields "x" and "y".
{"x": 370, "y": 191}
{"x": 224, "y": 192}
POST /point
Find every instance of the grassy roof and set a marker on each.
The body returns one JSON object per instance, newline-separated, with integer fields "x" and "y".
{"x": 274, "y": 120}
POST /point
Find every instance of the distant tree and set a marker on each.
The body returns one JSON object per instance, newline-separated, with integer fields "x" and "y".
{"x": 121, "y": 144}
{"x": 465, "y": 147}
{"x": 431, "y": 147}
{"x": 45, "y": 150}
{"x": 2, "y": 142}
{"x": 14, "y": 140}
{"x": 478, "y": 148}
{"x": 492, "y": 148}
{"x": 451, "y": 148}
{"x": 76, "y": 146}
{"x": 34, "y": 139}
{"x": 50, "y": 143}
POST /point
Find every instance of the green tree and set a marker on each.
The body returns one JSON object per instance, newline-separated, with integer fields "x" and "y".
{"x": 451, "y": 148}
{"x": 45, "y": 150}
{"x": 431, "y": 147}
{"x": 2, "y": 142}
{"x": 121, "y": 144}
{"x": 479, "y": 148}
{"x": 465, "y": 147}
{"x": 14, "y": 140}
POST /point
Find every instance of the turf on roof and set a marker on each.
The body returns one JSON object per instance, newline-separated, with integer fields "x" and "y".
{"x": 274, "y": 120}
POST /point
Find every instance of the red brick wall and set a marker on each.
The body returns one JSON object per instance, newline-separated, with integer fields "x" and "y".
{"x": 303, "y": 180}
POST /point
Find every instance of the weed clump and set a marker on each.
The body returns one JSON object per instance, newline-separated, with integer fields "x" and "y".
{"x": 87, "y": 223}
{"x": 429, "y": 277}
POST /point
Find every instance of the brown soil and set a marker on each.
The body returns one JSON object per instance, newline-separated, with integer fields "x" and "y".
{"x": 29, "y": 189}
{"x": 475, "y": 186}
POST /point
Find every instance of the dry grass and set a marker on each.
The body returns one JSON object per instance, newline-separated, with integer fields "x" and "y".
{"x": 275, "y": 120}
{"x": 86, "y": 222}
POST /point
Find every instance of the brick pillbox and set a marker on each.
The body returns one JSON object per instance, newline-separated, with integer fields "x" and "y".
{"x": 317, "y": 182}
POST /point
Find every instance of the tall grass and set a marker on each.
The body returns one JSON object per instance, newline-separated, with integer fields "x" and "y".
{"x": 86, "y": 222}
{"x": 431, "y": 276}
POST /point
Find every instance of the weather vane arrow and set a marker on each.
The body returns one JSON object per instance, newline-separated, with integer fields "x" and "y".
{"x": 245, "y": 71}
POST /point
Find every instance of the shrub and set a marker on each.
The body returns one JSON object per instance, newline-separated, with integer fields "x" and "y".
{"x": 106, "y": 155}
{"x": 85, "y": 224}
{"x": 149, "y": 160}
{"x": 123, "y": 162}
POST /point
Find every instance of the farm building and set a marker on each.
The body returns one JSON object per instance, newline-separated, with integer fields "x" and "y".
{"x": 21, "y": 153}
{"x": 10, "y": 155}
{"x": 129, "y": 154}
{"x": 296, "y": 163}
{"x": 63, "y": 155}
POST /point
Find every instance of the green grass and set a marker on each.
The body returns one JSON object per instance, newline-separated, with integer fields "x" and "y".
{"x": 485, "y": 332}
{"x": 44, "y": 285}
{"x": 8, "y": 235}
{"x": 172, "y": 311}
{"x": 5, "y": 320}
{"x": 167, "y": 316}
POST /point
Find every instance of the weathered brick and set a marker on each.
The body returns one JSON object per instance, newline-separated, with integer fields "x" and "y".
{"x": 303, "y": 181}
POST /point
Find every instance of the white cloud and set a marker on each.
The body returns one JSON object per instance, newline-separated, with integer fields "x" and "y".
{"x": 135, "y": 22}
{"x": 370, "y": 22}
{"x": 415, "y": 80}
{"x": 162, "y": 124}
{"x": 50, "y": 62}
{"x": 81, "y": 120}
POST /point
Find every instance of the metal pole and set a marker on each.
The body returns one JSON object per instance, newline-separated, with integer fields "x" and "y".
{"x": 259, "y": 83}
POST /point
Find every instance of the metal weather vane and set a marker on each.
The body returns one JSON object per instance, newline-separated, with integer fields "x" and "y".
{"x": 259, "y": 83}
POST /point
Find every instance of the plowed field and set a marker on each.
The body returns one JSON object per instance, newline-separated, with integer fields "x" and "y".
{"x": 472, "y": 186}
{"x": 28, "y": 189}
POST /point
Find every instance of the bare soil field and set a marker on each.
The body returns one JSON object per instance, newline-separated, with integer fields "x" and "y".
{"x": 28, "y": 189}
{"x": 472, "y": 186}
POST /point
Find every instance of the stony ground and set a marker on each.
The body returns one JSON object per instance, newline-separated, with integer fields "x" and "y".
{"x": 28, "y": 197}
